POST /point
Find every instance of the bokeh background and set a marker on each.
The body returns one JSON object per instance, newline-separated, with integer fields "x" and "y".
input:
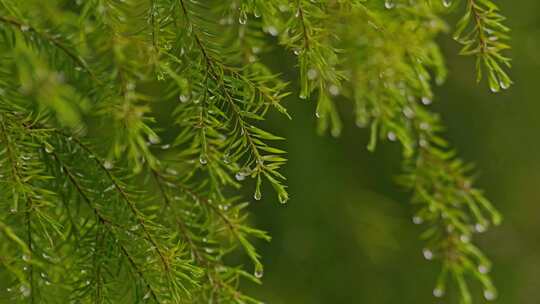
{"x": 346, "y": 235}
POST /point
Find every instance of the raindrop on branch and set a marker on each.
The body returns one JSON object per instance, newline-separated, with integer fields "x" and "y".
{"x": 389, "y": 4}
{"x": 438, "y": 292}
{"x": 428, "y": 254}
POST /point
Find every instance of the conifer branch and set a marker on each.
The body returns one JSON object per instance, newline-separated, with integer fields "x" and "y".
{"x": 22, "y": 27}
{"x": 86, "y": 228}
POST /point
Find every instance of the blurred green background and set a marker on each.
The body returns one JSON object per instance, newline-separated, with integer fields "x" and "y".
{"x": 346, "y": 235}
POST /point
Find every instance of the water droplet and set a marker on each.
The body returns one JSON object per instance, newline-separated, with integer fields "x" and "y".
{"x": 240, "y": 176}
{"x": 165, "y": 147}
{"x": 108, "y": 164}
{"x": 495, "y": 87}
{"x": 490, "y": 295}
{"x": 146, "y": 296}
{"x": 391, "y": 136}
{"x": 257, "y": 196}
{"x": 465, "y": 238}
{"x": 242, "y": 19}
{"x": 183, "y": 98}
{"x": 428, "y": 254}
{"x": 302, "y": 96}
{"x": 297, "y": 52}
{"x": 25, "y": 291}
{"x": 447, "y": 3}
{"x": 480, "y": 228}
{"x": 154, "y": 139}
{"x": 24, "y": 27}
{"x": 438, "y": 292}
{"x": 408, "y": 112}
{"x": 49, "y": 149}
{"x": 203, "y": 160}
{"x": 283, "y": 198}
{"x": 25, "y": 258}
{"x": 317, "y": 114}
{"x": 259, "y": 272}
{"x": 424, "y": 126}
{"x": 504, "y": 85}
{"x": 483, "y": 269}
{"x": 334, "y": 90}
{"x": 426, "y": 100}
{"x": 389, "y": 4}
{"x": 272, "y": 30}
{"x": 417, "y": 220}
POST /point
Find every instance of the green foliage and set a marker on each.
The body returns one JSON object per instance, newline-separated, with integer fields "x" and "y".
{"x": 127, "y": 128}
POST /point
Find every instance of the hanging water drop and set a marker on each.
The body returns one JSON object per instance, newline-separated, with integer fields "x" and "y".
{"x": 465, "y": 238}
{"x": 447, "y": 3}
{"x": 49, "y": 149}
{"x": 479, "y": 228}
{"x": 25, "y": 291}
{"x": 490, "y": 295}
{"x": 256, "y": 13}
{"x": 334, "y": 90}
{"x": 203, "y": 159}
{"x": 408, "y": 112}
{"x": 243, "y": 18}
{"x": 391, "y": 136}
{"x": 283, "y": 198}
{"x": 426, "y": 100}
{"x": 438, "y": 292}
{"x": 483, "y": 269}
{"x": 183, "y": 98}
{"x": 257, "y": 195}
{"x": 272, "y": 30}
{"x": 494, "y": 86}
{"x": 417, "y": 220}
{"x": 154, "y": 139}
{"x": 146, "y": 296}
{"x": 389, "y": 4}
{"x": 312, "y": 74}
{"x": 240, "y": 176}
{"x": 428, "y": 254}
{"x": 259, "y": 272}
{"x": 108, "y": 164}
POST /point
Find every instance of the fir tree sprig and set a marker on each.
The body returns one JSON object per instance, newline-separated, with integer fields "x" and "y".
{"x": 151, "y": 214}
{"x": 483, "y": 34}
